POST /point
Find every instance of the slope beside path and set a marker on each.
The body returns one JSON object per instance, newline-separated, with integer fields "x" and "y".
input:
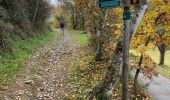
{"x": 45, "y": 73}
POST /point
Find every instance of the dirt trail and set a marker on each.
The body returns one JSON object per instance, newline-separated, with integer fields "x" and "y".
{"x": 45, "y": 73}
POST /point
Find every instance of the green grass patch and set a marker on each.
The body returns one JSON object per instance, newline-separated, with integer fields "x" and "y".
{"x": 155, "y": 55}
{"x": 11, "y": 63}
{"x": 80, "y": 37}
{"x": 164, "y": 70}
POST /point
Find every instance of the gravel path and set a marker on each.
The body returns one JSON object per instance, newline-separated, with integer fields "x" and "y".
{"x": 45, "y": 73}
{"x": 159, "y": 87}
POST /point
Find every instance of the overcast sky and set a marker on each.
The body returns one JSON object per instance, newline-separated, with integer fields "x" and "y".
{"x": 54, "y": 2}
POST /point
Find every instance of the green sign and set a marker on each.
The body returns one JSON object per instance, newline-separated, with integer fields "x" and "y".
{"x": 126, "y": 16}
{"x": 110, "y": 3}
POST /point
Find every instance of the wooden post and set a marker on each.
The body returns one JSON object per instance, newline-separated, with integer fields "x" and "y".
{"x": 126, "y": 45}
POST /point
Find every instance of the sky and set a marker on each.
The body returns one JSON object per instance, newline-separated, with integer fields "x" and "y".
{"x": 54, "y": 2}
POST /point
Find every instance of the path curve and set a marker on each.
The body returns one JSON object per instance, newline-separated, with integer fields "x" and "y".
{"x": 45, "y": 73}
{"x": 158, "y": 87}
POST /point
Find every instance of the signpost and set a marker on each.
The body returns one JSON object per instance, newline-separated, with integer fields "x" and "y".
{"x": 109, "y": 3}
{"x": 116, "y": 3}
{"x": 125, "y": 39}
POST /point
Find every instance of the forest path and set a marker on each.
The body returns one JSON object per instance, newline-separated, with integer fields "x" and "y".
{"x": 45, "y": 73}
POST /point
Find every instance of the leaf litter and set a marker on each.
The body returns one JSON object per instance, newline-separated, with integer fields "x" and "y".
{"x": 45, "y": 73}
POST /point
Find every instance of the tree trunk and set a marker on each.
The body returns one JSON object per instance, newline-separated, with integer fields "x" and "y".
{"x": 83, "y": 22}
{"x": 74, "y": 19}
{"x": 162, "y": 49}
{"x": 136, "y": 82}
{"x": 99, "y": 47}
{"x": 73, "y": 22}
{"x": 138, "y": 70}
{"x": 35, "y": 13}
{"x": 99, "y": 52}
{"x": 162, "y": 57}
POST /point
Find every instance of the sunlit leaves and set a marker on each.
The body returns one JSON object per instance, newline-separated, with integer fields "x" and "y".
{"x": 148, "y": 66}
{"x": 87, "y": 75}
{"x": 155, "y": 24}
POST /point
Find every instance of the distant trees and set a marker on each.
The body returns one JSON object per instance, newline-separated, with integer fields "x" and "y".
{"x": 156, "y": 25}
{"x": 22, "y": 17}
{"x": 39, "y": 11}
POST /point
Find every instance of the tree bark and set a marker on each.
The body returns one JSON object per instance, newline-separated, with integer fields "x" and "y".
{"x": 73, "y": 22}
{"x": 138, "y": 70}
{"x": 99, "y": 52}
{"x": 162, "y": 49}
{"x": 83, "y": 22}
{"x": 35, "y": 13}
{"x": 136, "y": 81}
{"x": 162, "y": 57}
{"x": 125, "y": 60}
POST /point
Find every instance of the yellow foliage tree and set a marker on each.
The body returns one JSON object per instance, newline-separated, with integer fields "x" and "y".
{"x": 156, "y": 25}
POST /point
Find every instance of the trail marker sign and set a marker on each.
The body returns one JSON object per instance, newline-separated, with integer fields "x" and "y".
{"x": 134, "y": 1}
{"x": 109, "y": 3}
{"x": 118, "y": 3}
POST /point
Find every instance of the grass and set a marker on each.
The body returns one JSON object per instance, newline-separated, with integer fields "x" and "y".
{"x": 11, "y": 63}
{"x": 80, "y": 37}
{"x": 154, "y": 54}
{"x": 165, "y": 69}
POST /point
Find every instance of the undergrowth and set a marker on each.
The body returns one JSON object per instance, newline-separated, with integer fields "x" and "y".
{"x": 89, "y": 73}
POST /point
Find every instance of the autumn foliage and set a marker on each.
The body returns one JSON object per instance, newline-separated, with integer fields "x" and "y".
{"x": 22, "y": 18}
{"x": 105, "y": 28}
